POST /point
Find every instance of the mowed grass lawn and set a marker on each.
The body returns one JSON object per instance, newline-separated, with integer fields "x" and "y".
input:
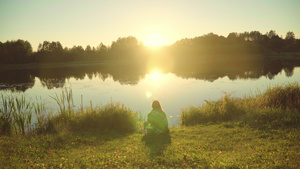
{"x": 226, "y": 145}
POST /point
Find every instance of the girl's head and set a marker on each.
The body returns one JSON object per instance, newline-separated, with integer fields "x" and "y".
{"x": 156, "y": 105}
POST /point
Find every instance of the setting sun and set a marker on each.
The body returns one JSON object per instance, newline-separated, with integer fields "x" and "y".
{"x": 155, "y": 39}
{"x": 155, "y": 76}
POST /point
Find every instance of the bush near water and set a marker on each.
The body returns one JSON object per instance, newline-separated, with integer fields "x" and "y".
{"x": 277, "y": 107}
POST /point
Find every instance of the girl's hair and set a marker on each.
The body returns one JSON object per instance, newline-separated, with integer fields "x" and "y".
{"x": 156, "y": 105}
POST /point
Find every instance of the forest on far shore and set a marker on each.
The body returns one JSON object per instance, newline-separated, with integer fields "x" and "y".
{"x": 129, "y": 48}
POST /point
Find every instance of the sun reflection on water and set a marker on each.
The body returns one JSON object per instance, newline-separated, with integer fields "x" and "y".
{"x": 148, "y": 94}
{"x": 154, "y": 82}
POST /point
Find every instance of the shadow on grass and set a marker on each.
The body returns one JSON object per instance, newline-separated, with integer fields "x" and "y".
{"x": 157, "y": 143}
{"x": 66, "y": 137}
{"x": 93, "y": 138}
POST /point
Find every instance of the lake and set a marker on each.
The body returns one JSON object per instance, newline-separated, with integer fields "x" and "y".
{"x": 136, "y": 86}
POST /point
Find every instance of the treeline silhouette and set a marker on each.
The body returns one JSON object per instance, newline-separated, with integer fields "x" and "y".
{"x": 129, "y": 48}
{"x": 20, "y": 51}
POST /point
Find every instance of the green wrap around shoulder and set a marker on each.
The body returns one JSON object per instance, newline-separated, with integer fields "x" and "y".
{"x": 158, "y": 121}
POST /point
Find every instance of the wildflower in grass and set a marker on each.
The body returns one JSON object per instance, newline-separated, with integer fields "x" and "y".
{"x": 31, "y": 165}
{"x": 94, "y": 147}
{"x": 298, "y": 159}
{"x": 184, "y": 164}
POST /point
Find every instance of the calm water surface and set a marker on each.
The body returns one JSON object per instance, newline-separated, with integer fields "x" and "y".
{"x": 174, "y": 90}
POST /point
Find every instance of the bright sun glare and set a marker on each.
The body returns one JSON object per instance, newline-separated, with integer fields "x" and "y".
{"x": 154, "y": 40}
{"x": 155, "y": 76}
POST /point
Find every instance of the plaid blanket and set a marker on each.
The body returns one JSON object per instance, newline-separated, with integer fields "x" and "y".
{"x": 158, "y": 120}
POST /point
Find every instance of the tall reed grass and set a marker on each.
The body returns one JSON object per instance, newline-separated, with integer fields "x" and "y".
{"x": 6, "y": 122}
{"x": 278, "y": 106}
{"x": 65, "y": 102}
{"x": 280, "y": 96}
{"x": 41, "y": 116}
{"x": 110, "y": 117}
{"x": 225, "y": 109}
{"x": 16, "y": 114}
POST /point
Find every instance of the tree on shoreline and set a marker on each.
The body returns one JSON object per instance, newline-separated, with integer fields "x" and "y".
{"x": 12, "y": 52}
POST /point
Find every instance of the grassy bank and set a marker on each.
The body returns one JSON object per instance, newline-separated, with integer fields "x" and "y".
{"x": 213, "y": 146}
{"x": 277, "y": 107}
{"x": 259, "y": 131}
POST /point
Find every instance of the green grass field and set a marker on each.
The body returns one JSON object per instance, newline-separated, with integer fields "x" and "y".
{"x": 226, "y": 145}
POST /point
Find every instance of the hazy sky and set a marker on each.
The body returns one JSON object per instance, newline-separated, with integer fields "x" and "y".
{"x": 78, "y": 22}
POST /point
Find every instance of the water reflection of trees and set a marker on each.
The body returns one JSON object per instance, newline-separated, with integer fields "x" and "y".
{"x": 131, "y": 74}
{"x": 17, "y": 79}
{"x": 234, "y": 71}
